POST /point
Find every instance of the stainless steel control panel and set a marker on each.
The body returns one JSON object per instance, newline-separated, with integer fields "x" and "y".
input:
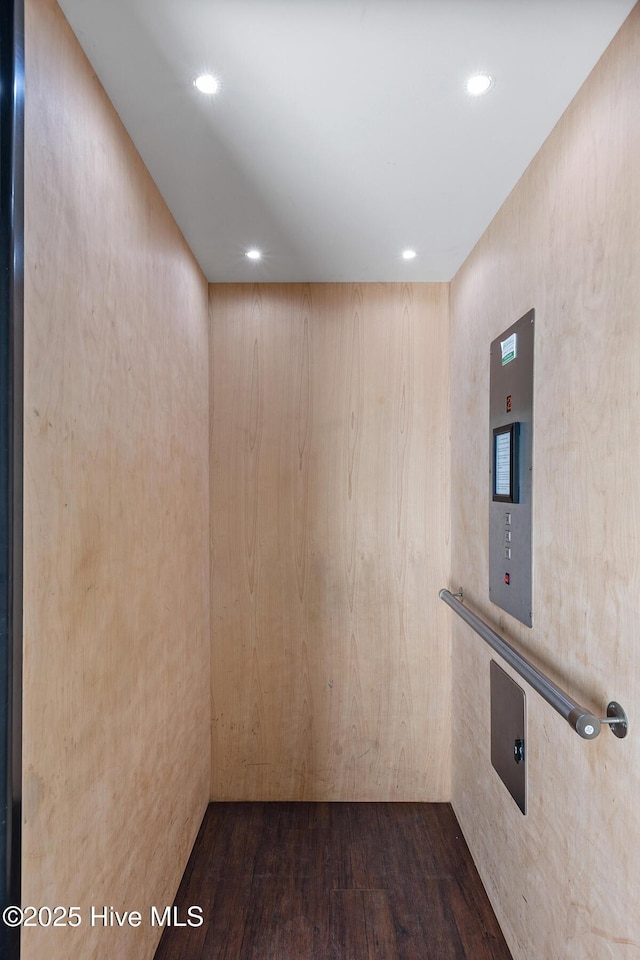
{"x": 511, "y": 469}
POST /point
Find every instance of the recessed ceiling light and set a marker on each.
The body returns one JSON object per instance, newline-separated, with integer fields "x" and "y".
{"x": 409, "y": 254}
{"x": 253, "y": 254}
{"x": 479, "y": 84}
{"x": 206, "y": 83}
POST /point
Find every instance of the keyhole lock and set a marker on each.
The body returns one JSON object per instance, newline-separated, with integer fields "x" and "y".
{"x": 518, "y": 751}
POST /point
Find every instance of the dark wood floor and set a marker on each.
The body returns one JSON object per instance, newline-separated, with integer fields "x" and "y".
{"x": 333, "y": 881}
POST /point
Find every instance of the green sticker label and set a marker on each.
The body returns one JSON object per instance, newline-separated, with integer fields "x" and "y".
{"x": 508, "y": 348}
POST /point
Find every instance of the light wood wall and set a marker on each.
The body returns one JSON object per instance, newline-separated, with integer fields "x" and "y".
{"x": 329, "y": 526}
{"x": 564, "y": 880}
{"x": 116, "y": 648}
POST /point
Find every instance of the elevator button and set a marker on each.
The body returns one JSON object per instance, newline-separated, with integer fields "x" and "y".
{"x": 507, "y": 519}
{"x": 507, "y": 553}
{"x": 507, "y": 536}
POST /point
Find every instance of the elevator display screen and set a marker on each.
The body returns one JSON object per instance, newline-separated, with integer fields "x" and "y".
{"x": 505, "y": 463}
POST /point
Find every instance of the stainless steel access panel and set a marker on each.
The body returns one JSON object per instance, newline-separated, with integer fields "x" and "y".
{"x": 511, "y": 469}
{"x": 508, "y": 743}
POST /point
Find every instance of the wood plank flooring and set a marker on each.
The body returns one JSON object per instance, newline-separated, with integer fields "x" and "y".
{"x": 333, "y": 881}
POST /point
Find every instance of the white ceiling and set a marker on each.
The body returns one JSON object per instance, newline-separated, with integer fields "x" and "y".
{"x": 343, "y": 132}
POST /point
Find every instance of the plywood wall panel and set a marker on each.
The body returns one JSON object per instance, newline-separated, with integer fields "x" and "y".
{"x": 329, "y": 460}
{"x": 564, "y": 880}
{"x": 116, "y": 647}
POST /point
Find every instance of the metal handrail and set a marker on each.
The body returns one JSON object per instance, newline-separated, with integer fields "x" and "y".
{"x": 579, "y": 718}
